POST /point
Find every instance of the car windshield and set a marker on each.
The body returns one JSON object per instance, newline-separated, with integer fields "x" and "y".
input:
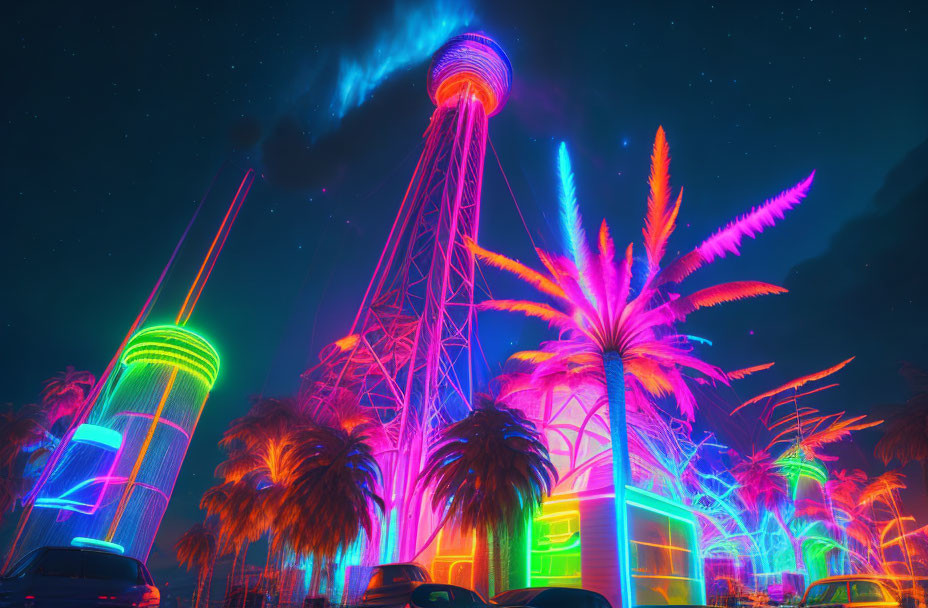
{"x": 516, "y": 596}
{"x": 391, "y": 575}
{"x": 866, "y": 591}
{"x": 105, "y": 566}
{"x": 828, "y": 593}
{"x": 68, "y": 563}
{"x": 59, "y": 563}
{"x": 23, "y": 564}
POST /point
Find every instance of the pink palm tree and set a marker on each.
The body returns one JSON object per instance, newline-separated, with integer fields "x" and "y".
{"x": 626, "y": 337}
{"x": 65, "y": 392}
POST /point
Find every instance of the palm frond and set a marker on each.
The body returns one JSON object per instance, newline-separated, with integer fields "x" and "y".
{"x": 726, "y": 292}
{"x": 660, "y": 221}
{"x": 795, "y": 384}
{"x": 738, "y": 374}
{"x": 728, "y": 239}
{"x": 530, "y": 276}
{"x": 571, "y": 222}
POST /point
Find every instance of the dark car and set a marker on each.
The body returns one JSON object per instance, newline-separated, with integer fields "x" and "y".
{"x": 550, "y": 597}
{"x": 71, "y": 577}
{"x": 392, "y": 584}
{"x": 434, "y": 595}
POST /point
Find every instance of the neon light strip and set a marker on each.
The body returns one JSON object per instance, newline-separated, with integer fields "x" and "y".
{"x": 659, "y": 512}
{"x": 666, "y": 577}
{"x": 61, "y": 503}
{"x": 124, "y": 500}
{"x": 670, "y": 547}
{"x": 236, "y": 204}
{"x": 192, "y": 371}
{"x": 164, "y": 421}
{"x": 172, "y": 345}
{"x": 171, "y": 351}
{"x": 92, "y": 543}
{"x": 92, "y": 480}
{"x": 574, "y": 545}
{"x": 97, "y": 435}
{"x": 249, "y": 177}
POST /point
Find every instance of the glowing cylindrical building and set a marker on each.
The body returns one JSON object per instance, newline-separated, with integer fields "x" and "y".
{"x": 408, "y": 355}
{"x": 112, "y": 485}
{"x": 109, "y": 482}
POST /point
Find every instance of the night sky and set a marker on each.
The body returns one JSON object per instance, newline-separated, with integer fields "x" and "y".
{"x": 116, "y": 120}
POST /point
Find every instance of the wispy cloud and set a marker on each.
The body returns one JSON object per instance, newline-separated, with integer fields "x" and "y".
{"x": 413, "y": 34}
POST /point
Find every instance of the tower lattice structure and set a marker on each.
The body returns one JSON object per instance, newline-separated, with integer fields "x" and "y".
{"x": 408, "y": 358}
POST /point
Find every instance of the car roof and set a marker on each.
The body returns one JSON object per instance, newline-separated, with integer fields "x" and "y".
{"x": 534, "y": 591}
{"x": 86, "y": 550}
{"x": 838, "y": 578}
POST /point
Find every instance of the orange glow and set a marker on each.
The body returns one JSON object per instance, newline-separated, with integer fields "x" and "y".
{"x": 443, "y": 565}
{"x": 466, "y": 83}
{"x": 348, "y": 342}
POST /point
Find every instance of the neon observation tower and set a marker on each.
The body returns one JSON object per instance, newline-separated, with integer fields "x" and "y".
{"x": 408, "y": 356}
{"x": 109, "y": 482}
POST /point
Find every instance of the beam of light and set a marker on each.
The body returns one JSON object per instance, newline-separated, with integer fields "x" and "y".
{"x": 213, "y": 254}
{"x": 414, "y": 34}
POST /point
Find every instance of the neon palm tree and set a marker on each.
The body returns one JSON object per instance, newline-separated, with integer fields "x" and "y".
{"x": 197, "y": 548}
{"x": 64, "y": 393}
{"x": 490, "y": 472}
{"x": 331, "y": 497}
{"x": 622, "y": 336}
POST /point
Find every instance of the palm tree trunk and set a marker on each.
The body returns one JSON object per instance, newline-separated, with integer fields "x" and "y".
{"x": 316, "y": 577}
{"x": 480, "y": 567}
{"x": 209, "y": 579}
{"x": 199, "y": 591}
{"x": 621, "y": 466}
{"x": 497, "y": 564}
{"x": 230, "y": 580}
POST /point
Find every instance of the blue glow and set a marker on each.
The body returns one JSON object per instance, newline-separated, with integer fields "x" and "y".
{"x": 698, "y": 339}
{"x": 414, "y": 34}
{"x": 92, "y": 543}
{"x": 98, "y": 435}
{"x": 570, "y": 213}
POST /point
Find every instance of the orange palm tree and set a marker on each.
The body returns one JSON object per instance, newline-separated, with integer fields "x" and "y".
{"x": 844, "y": 488}
{"x": 197, "y": 548}
{"x": 883, "y": 491}
{"x": 625, "y": 336}
{"x": 331, "y": 495}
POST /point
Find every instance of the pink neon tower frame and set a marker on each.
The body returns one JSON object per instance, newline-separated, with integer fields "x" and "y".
{"x": 408, "y": 356}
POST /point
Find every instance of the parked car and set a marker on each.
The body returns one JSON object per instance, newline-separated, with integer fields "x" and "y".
{"x": 72, "y": 577}
{"x": 393, "y": 584}
{"x": 434, "y": 595}
{"x": 860, "y": 590}
{"x": 550, "y": 597}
